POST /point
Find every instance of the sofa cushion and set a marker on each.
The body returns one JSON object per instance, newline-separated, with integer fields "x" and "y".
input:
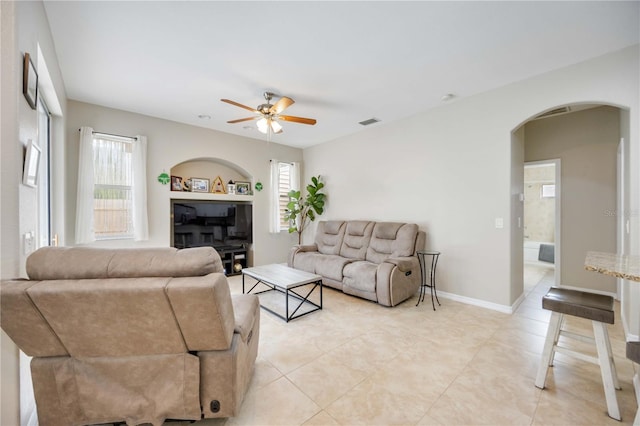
{"x": 360, "y": 275}
{"x": 331, "y": 266}
{"x": 390, "y": 239}
{"x": 53, "y": 263}
{"x": 329, "y": 236}
{"x": 22, "y": 321}
{"x": 356, "y": 239}
{"x": 110, "y": 317}
{"x": 204, "y": 311}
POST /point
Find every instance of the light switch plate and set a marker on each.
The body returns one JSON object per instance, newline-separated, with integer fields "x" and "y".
{"x": 499, "y": 223}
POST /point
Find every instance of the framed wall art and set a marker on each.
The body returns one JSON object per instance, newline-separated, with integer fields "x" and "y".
{"x": 31, "y": 164}
{"x": 199, "y": 185}
{"x": 243, "y": 188}
{"x": 30, "y": 82}
{"x": 176, "y": 183}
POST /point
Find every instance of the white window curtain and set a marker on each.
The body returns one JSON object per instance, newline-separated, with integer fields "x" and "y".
{"x": 85, "y": 230}
{"x": 84, "y": 196}
{"x": 294, "y": 181}
{"x": 274, "y": 198}
{"x": 139, "y": 189}
{"x": 295, "y": 176}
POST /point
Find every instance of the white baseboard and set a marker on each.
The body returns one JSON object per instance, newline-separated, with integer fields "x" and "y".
{"x": 482, "y": 303}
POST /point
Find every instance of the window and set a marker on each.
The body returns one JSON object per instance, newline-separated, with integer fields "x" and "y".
{"x": 284, "y": 178}
{"x": 112, "y": 200}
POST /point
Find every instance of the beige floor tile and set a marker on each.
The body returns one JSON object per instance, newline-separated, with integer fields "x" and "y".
{"x": 380, "y": 400}
{"x": 313, "y": 378}
{"x": 555, "y": 408}
{"x": 321, "y": 419}
{"x": 278, "y": 403}
{"x": 409, "y": 365}
{"x": 487, "y": 397}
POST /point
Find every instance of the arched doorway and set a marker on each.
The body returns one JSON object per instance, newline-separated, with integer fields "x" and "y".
{"x": 589, "y": 141}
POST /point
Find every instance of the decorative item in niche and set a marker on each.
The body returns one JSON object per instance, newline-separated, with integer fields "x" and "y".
{"x": 163, "y": 178}
{"x": 243, "y": 188}
{"x": 231, "y": 187}
{"x": 176, "y": 183}
{"x": 199, "y": 185}
{"x": 258, "y": 186}
{"x": 217, "y": 187}
{"x": 30, "y": 82}
{"x": 186, "y": 185}
{"x": 31, "y": 164}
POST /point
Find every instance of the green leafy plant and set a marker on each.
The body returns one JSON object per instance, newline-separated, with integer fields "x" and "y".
{"x": 301, "y": 211}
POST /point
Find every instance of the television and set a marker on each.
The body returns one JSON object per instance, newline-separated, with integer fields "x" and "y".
{"x": 219, "y": 224}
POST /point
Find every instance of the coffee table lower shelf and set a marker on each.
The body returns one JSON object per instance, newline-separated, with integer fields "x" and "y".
{"x": 287, "y": 281}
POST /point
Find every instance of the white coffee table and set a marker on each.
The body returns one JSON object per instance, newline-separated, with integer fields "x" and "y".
{"x": 281, "y": 278}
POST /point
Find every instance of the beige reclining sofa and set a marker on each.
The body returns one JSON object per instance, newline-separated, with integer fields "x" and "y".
{"x": 131, "y": 335}
{"x": 372, "y": 260}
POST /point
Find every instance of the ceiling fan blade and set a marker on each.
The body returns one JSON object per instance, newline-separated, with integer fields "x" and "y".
{"x": 240, "y": 120}
{"x": 282, "y": 104}
{"x": 300, "y": 120}
{"x": 240, "y": 105}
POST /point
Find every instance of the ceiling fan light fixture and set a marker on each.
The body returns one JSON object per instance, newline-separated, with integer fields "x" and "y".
{"x": 277, "y": 128}
{"x": 263, "y": 125}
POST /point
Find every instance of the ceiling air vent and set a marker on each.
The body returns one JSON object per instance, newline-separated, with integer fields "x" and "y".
{"x": 369, "y": 121}
{"x": 553, "y": 112}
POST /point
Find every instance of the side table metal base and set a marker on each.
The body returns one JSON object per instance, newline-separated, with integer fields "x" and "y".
{"x": 431, "y": 283}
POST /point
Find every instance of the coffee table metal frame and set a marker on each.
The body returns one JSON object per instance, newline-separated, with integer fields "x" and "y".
{"x": 285, "y": 280}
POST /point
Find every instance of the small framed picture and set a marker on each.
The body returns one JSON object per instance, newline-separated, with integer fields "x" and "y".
{"x": 199, "y": 185}
{"x": 30, "y": 82}
{"x": 31, "y": 164}
{"x": 243, "y": 188}
{"x": 176, "y": 183}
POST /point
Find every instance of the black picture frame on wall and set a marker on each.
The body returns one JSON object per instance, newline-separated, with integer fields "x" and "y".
{"x": 30, "y": 82}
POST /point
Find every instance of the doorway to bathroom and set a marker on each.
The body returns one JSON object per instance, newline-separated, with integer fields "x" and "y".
{"x": 541, "y": 222}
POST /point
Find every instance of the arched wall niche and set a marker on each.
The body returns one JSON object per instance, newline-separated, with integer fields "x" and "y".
{"x": 210, "y": 168}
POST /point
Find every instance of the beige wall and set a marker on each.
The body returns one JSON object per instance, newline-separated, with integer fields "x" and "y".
{"x": 586, "y": 143}
{"x": 426, "y": 168}
{"x": 24, "y": 29}
{"x": 171, "y": 144}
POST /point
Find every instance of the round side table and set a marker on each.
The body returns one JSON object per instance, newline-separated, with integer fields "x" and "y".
{"x": 428, "y": 275}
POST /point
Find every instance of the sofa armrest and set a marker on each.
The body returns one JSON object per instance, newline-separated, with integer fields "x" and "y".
{"x": 405, "y": 264}
{"x": 299, "y": 248}
{"x": 245, "y": 309}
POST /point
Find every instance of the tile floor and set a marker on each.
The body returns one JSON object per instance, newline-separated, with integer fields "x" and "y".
{"x": 357, "y": 363}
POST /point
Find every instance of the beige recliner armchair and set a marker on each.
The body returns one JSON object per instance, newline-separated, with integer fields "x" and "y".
{"x": 133, "y": 335}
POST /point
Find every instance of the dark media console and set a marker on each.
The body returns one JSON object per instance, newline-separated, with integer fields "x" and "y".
{"x": 223, "y": 225}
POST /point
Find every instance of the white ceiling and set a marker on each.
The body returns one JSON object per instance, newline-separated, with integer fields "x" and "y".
{"x": 342, "y": 62}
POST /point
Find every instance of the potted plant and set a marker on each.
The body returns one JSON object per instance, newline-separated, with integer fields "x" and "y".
{"x": 301, "y": 211}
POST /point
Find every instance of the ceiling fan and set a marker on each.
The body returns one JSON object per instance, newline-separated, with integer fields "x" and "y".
{"x": 268, "y": 114}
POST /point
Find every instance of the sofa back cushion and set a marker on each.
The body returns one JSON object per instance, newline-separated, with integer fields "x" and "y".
{"x": 110, "y": 316}
{"x": 390, "y": 239}
{"x": 356, "y": 239}
{"x": 329, "y": 236}
{"x": 65, "y": 263}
